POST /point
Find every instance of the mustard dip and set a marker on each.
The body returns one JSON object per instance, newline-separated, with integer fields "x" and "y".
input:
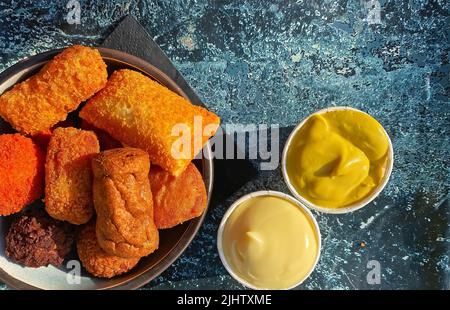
{"x": 337, "y": 158}
{"x": 270, "y": 242}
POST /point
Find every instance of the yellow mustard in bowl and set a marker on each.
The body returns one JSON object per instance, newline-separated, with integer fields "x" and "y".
{"x": 337, "y": 158}
{"x": 270, "y": 242}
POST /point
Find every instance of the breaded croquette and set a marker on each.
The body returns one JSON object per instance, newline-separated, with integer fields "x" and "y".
{"x": 46, "y": 98}
{"x": 68, "y": 175}
{"x": 123, "y": 203}
{"x": 177, "y": 199}
{"x": 21, "y": 173}
{"x": 95, "y": 260}
{"x": 142, "y": 113}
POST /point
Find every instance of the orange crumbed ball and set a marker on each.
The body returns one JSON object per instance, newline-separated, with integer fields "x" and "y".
{"x": 41, "y": 101}
{"x": 21, "y": 173}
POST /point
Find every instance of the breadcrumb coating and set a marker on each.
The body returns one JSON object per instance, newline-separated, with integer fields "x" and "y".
{"x": 68, "y": 175}
{"x": 34, "y": 239}
{"x": 46, "y": 98}
{"x": 21, "y": 173}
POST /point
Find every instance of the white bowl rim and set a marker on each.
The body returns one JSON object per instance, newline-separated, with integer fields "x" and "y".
{"x": 274, "y": 194}
{"x": 354, "y": 206}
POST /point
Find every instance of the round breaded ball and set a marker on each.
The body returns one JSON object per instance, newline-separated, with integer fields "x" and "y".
{"x": 35, "y": 239}
{"x": 21, "y": 171}
{"x": 95, "y": 260}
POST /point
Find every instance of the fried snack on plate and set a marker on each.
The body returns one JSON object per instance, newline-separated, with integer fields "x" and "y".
{"x": 142, "y": 113}
{"x": 123, "y": 203}
{"x": 177, "y": 199}
{"x": 34, "y": 239}
{"x": 46, "y": 98}
{"x": 21, "y": 173}
{"x": 68, "y": 175}
{"x": 95, "y": 260}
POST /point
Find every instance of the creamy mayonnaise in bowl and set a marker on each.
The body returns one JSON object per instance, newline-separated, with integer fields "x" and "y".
{"x": 269, "y": 240}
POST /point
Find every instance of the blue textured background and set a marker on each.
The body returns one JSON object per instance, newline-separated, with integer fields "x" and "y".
{"x": 277, "y": 62}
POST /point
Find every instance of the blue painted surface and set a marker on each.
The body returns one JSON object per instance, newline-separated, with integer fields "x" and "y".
{"x": 277, "y": 62}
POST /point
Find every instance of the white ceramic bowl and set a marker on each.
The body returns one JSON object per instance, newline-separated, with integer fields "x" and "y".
{"x": 355, "y": 206}
{"x": 273, "y": 194}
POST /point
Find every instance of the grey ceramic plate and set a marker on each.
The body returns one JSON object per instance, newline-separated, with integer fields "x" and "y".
{"x": 172, "y": 241}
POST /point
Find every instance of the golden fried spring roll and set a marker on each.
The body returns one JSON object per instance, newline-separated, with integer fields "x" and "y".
{"x": 47, "y": 97}
{"x": 68, "y": 175}
{"x": 123, "y": 202}
{"x": 142, "y": 113}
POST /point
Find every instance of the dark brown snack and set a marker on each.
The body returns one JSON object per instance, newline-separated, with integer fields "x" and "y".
{"x": 68, "y": 175}
{"x": 123, "y": 202}
{"x": 177, "y": 199}
{"x": 95, "y": 260}
{"x": 35, "y": 239}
